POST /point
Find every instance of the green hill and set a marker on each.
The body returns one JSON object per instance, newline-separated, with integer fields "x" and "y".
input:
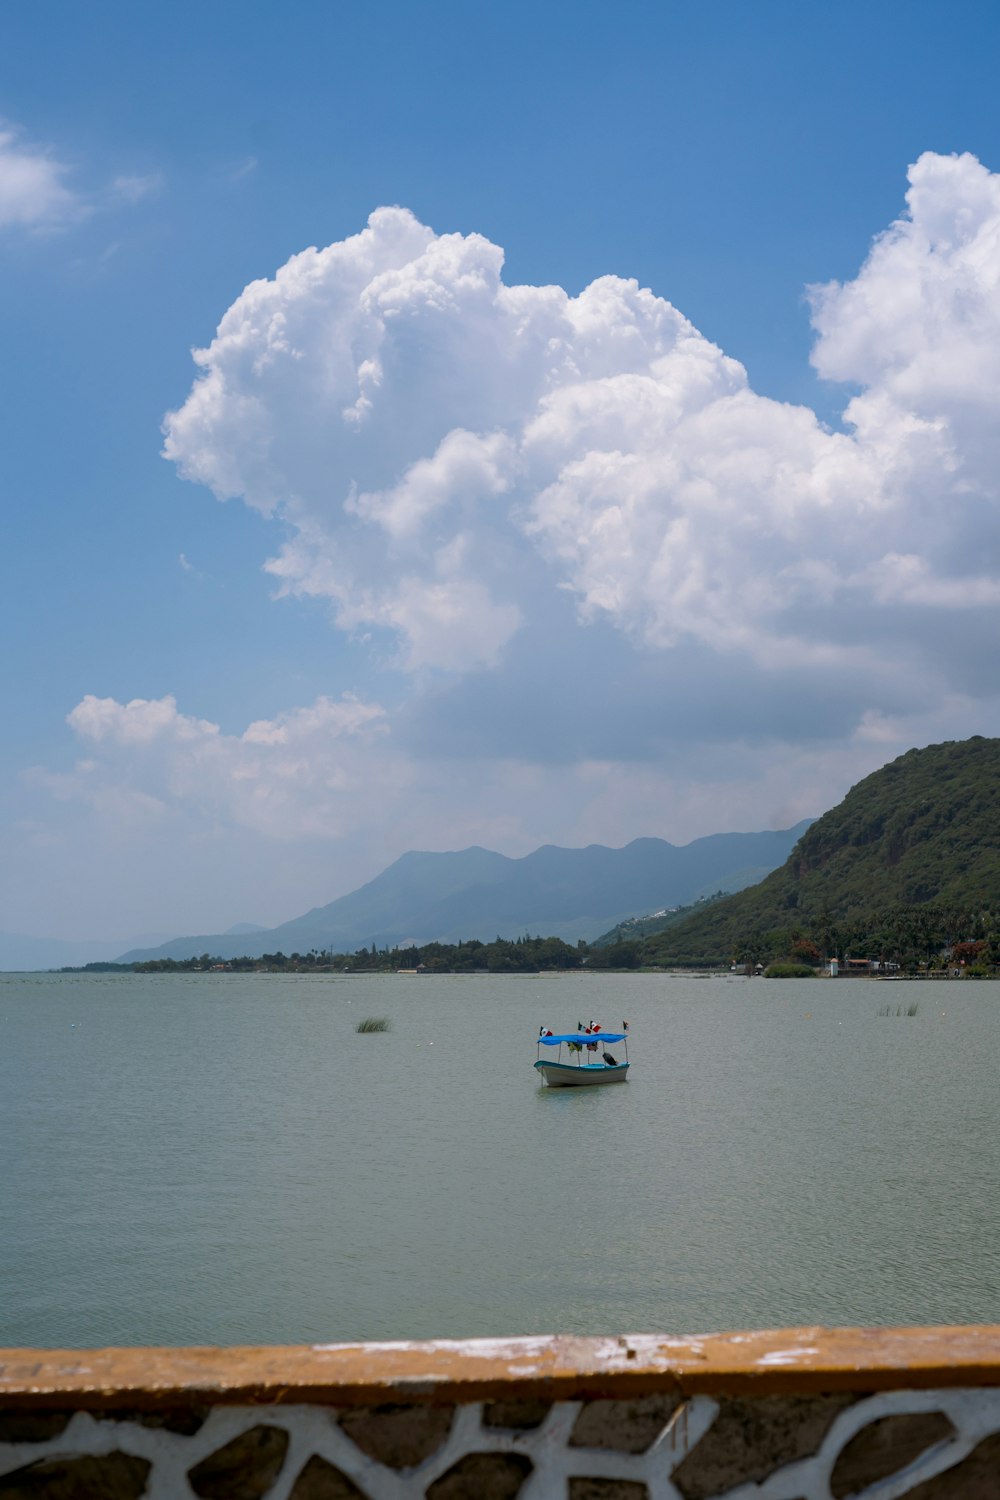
{"x": 909, "y": 861}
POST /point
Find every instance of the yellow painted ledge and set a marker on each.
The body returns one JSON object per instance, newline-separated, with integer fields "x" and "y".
{"x": 792, "y": 1361}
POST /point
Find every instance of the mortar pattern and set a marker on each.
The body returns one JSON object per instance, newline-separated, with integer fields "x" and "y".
{"x": 658, "y": 1447}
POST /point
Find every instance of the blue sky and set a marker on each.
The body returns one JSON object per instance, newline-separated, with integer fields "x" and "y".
{"x": 725, "y": 156}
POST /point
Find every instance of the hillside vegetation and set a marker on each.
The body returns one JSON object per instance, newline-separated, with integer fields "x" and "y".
{"x": 907, "y": 863}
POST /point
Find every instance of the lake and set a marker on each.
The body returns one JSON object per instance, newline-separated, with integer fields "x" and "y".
{"x": 222, "y": 1159}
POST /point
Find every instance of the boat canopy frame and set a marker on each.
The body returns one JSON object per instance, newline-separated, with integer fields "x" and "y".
{"x": 580, "y": 1042}
{"x": 584, "y": 1036}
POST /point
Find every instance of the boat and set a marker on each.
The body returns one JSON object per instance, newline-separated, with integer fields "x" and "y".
{"x": 587, "y": 1060}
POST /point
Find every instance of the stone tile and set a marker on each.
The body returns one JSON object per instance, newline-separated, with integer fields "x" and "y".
{"x": 623, "y": 1426}
{"x": 112, "y": 1476}
{"x": 882, "y": 1447}
{"x": 482, "y": 1476}
{"x": 32, "y": 1426}
{"x": 516, "y": 1416}
{"x": 244, "y": 1469}
{"x": 606, "y": 1489}
{"x": 320, "y": 1480}
{"x": 975, "y": 1478}
{"x": 750, "y": 1438}
{"x": 398, "y": 1436}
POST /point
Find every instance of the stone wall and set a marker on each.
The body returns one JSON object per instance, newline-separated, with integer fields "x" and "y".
{"x": 804, "y": 1414}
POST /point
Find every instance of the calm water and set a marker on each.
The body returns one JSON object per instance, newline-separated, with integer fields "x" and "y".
{"x": 216, "y": 1159}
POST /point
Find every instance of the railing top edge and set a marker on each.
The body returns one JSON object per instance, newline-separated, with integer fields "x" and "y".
{"x": 770, "y": 1362}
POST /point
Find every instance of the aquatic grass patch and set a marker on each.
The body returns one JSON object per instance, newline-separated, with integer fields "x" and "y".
{"x": 899, "y": 1010}
{"x": 373, "y": 1023}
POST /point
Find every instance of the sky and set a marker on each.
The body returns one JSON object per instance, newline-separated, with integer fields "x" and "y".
{"x": 424, "y": 426}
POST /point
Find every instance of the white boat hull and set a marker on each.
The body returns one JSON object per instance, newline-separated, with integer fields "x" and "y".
{"x": 580, "y": 1075}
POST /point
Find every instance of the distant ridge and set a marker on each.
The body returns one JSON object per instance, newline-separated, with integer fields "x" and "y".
{"x": 922, "y": 832}
{"x": 476, "y": 893}
{"x": 21, "y": 954}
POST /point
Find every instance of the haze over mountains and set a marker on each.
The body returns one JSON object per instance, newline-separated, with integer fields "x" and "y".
{"x": 20, "y": 953}
{"x": 24, "y": 954}
{"x": 476, "y": 893}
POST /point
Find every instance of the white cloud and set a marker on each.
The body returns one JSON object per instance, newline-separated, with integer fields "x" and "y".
{"x": 304, "y": 806}
{"x": 445, "y": 446}
{"x": 468, "y": 471}
{"x": 32, "y": 192}
{"x": 132, "y": 187}
{"x": 139, "y": 722}
{"x": 919, "y": 328}
{"x": 463, "y": 465}
{"x": 294, "y": 776}
{"x": 909, "y": 579}
{"x": 698, "y": 524}
{"x": 920, "y": 321}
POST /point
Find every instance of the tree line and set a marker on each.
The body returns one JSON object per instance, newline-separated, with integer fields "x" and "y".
{"x": 925, "y": 936}
{"x": 914, "y": 937}
{"x": 523, "y": 955}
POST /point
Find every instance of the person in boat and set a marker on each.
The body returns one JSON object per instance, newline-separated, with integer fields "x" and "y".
{"x": 612, "y": 1062}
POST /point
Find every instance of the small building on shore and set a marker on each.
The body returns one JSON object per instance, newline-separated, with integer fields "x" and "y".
{"x": 860, "y": 968}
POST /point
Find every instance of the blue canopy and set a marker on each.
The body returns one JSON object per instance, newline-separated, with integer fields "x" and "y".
{"x": 583, "y": 1036}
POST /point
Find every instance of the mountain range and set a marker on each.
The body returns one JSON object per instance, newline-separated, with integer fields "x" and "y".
{"x": 477, "y": 893}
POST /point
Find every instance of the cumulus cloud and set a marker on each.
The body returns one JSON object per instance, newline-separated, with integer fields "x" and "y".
{"x": 919, "y": 329}
{"x": 140, "y": 722}
{"x": 311, "y": 803}
{"x": 293, "y": 776}
{"x": 444, "y": 446}
{"x": 33, "y": 194}
{"x": 635, "y": 595}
